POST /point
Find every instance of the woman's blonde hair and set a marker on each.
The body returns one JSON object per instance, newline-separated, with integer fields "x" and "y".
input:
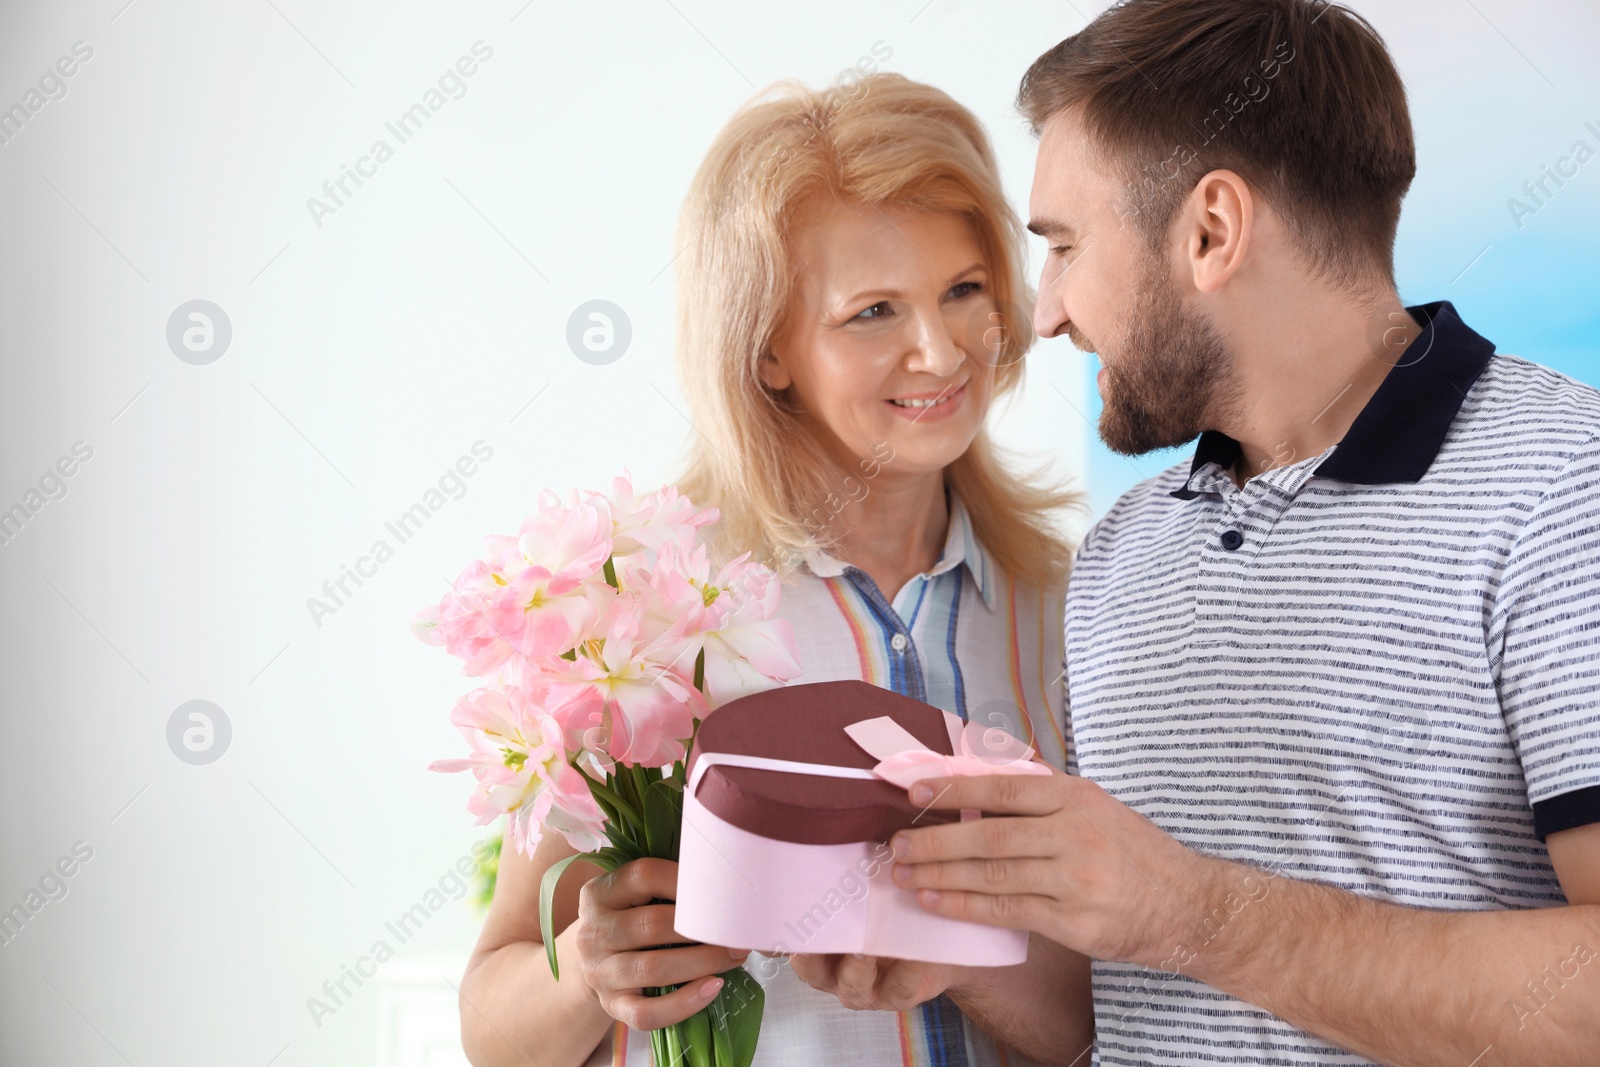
{"x": 876, "y": 140}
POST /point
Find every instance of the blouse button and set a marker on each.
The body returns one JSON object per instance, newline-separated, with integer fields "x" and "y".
{"x": 898, "y": 642}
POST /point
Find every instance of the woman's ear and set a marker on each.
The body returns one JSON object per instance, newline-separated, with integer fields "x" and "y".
{"x": 774, "y": 375}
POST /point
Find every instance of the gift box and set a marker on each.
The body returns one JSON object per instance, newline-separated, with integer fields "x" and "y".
{"x": 792, "y": 795}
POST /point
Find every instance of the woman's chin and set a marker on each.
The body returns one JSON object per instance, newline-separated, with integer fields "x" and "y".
{"x": 925, "y": 449}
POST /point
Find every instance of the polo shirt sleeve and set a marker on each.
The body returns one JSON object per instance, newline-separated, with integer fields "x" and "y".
{"x": 1545, "y": 628}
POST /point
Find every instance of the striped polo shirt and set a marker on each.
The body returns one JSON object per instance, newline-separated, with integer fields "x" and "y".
{"x": 966, "y": 638}
{"x": 1377, "y": 668}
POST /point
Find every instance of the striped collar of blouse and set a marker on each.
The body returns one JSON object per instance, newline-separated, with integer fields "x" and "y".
{"x": 961, "y": 546}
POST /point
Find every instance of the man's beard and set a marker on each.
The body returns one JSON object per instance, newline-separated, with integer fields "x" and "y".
{"x": 1170, "y": 375}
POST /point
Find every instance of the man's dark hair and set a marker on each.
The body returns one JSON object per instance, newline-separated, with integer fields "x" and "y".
{"x": 1299, "y": 97}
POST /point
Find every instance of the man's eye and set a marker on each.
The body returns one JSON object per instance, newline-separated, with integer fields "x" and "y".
{"x": 876, "y": 311}
{"x": 1060, "y": 250}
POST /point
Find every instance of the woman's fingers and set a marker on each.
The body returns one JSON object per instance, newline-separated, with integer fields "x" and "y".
{"x": 632, "y": 884}
{"x": 627, "y": 972}
{"x": 652, "y": 1013}
{"x": 622, "y": 933}
{"x": 617, "y": 912}
{"x": 649, "y": 926}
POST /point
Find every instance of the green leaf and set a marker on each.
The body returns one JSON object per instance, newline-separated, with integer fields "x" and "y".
{"x": 721, "y": 1036}
{"x": 743, "y": 1003}
{"x": 613, "y": 801}
{"x": 547, "y": 907}
{"x": 674, "y": 1046}
{"x": 613, "y": 815}
{"x": 620, "y": 852}
{"x": 696, "y": 1039}
{"x": 663, "y": 814}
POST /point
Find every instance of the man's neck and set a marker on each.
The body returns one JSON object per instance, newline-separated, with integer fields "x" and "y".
{"x": 1306, "y": 371}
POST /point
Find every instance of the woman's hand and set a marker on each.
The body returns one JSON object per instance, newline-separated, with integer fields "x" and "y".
{"x": 872, "y": 983}
{"x": 619, "y": 937}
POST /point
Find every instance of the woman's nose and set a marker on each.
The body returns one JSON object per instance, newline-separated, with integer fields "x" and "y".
{"x": 938, "y": 348}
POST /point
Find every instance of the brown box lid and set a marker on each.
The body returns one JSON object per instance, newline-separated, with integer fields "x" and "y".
{"x": 806, "y": 723}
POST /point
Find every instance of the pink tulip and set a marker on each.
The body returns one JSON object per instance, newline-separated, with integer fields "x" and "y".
{"x": 585, "y": 674}
{"x": 746, "y": 649}
{"x": 520, "y": 760}
{"x": 643, "y": 672}
{"x": 644, "y": 524}
{"x": 533, "y": 595}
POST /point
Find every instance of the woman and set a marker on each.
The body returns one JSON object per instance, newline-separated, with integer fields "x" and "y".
{"x": 850, "y": 294}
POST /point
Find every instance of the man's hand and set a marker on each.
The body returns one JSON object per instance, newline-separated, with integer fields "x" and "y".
{"x": 872, "y": 983}
{"x": 1061, "y": 857}
{"x": 1424, "y": 987}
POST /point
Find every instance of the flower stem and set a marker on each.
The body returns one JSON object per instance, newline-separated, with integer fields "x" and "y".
{"x": 628, "y": 810}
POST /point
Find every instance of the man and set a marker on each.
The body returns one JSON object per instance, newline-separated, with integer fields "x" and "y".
{"x": 1334, "y": 685}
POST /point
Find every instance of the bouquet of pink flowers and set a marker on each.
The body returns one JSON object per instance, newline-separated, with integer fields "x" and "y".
{"x": 604, "y": 639}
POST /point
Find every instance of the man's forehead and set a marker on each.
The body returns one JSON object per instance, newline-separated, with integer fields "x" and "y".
{"x": 1064, "y": 131}
{"x": 1063, "y": 174}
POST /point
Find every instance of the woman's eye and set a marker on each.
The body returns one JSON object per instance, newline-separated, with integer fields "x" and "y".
{"x": 876, "y": 311}
{"x": 961, "y": 289}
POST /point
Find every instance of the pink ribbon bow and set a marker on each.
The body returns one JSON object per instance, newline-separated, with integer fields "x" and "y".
{"x": 904, "y": 760}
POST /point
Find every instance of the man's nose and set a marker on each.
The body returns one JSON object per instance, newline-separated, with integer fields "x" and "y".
{"x": 1049, "y": 314}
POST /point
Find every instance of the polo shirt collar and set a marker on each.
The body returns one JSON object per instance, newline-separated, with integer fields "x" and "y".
{"x": 1397, "y": 436}
{"x": 961, "y": 546}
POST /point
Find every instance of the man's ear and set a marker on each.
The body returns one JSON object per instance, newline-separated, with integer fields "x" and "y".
{"x": 1217, "y": 225}
{"x": 774, "y": 375}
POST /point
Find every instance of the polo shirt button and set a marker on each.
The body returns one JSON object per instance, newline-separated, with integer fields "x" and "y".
{"x": 1232, "y": 539}
{"x": 898, "y": 642}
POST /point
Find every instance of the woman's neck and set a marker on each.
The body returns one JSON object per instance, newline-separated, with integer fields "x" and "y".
{"x": 896, "y": 531}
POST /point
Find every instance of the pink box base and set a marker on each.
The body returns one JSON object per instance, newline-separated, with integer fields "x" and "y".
{"x": 742, "y": 890}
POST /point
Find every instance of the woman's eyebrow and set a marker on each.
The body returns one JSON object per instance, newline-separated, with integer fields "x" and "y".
{"x": 891, "y": 294}
{"x": 880, "y": 294}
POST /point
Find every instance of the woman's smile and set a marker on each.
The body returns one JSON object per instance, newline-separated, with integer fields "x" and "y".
{"x": 929, "y": 406}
